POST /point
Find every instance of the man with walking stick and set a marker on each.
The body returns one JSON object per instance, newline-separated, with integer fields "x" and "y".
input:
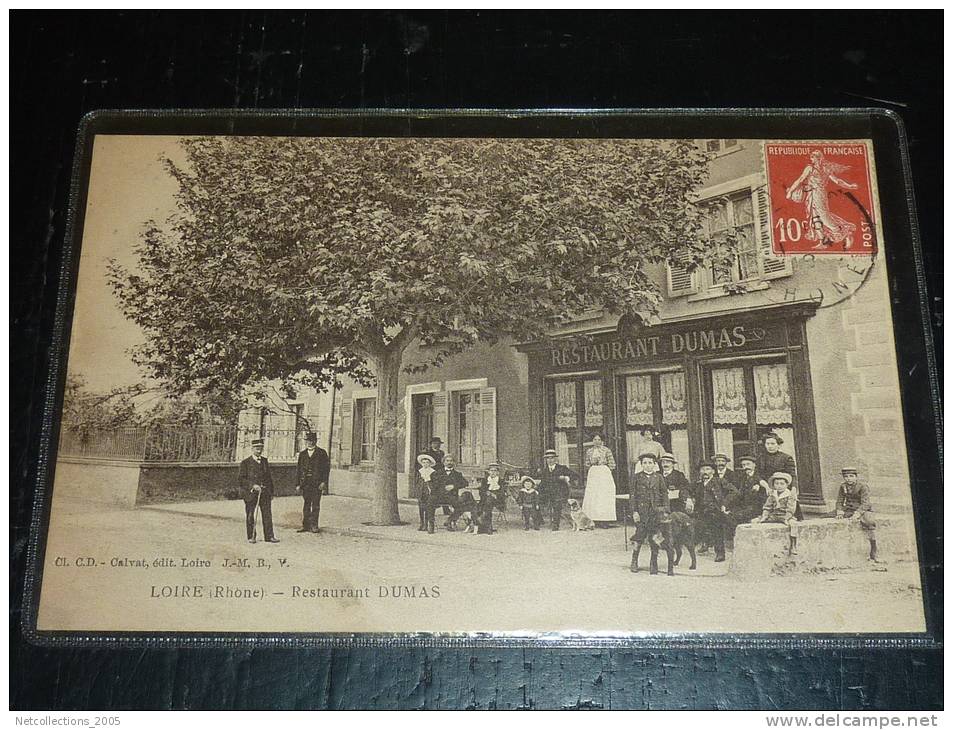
{"x": 257, "y": 489}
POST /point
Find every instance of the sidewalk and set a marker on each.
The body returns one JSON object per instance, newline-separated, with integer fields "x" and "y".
{"x": 347, "y": 515}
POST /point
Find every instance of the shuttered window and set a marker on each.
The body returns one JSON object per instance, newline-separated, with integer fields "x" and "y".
{"x": 681, "y": 280}
{"x": 772, "y": 267}
{"x": 472, "y": 425}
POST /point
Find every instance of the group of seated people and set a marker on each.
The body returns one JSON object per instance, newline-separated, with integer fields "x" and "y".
{"x": 763, "y": 489}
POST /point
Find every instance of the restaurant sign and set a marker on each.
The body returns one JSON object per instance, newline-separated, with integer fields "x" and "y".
{"x": 660, "y": 346}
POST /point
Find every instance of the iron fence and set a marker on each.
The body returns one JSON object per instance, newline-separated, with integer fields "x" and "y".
{"x": 178, "y": 444}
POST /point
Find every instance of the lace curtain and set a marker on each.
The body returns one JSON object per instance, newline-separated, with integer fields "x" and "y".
{"x": 728, "y": 395}
{"x": 565, "y": 405}
{"x": 772, "y": 394}
{"x": 674, "y": 410}
{"x": 592, "y": 393}
{"x": 638, "y": 401}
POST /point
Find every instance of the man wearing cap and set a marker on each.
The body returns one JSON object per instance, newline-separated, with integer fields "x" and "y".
{"x": 425, "y": 471}
{"x": 554, "y": 481}
{"x": 311, "y": 479}
{"x": 713, "y": 496}
{"x": 257, "y": 489}
{"x": 722, "y": 471}
{"x": 780, "y": 506}
{"x": 853, "y": 502}
{"x": 752, "y": 491}
{"x": 445, "y": 486}
{"x": 648, "y": 499}
{"x": 676, "y": 485}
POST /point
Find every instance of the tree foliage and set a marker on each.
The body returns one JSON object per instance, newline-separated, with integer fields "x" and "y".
{"x": 304, "y": 259}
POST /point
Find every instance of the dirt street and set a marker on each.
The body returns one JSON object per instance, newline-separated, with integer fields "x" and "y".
{"x": 164, "y": 570}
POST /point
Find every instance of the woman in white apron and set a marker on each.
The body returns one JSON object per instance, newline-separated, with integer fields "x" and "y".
{"x": 599, "y": 500}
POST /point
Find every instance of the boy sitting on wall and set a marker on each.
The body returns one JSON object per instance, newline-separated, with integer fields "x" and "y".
{"x": 780, "y": 507}
{"x": 853, "y": 503}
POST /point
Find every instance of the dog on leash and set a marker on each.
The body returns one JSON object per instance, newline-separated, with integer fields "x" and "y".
{"x": 580, "y": 520}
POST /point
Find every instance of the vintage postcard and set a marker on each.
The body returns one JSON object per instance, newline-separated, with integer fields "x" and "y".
{"x": 600, "y": 387}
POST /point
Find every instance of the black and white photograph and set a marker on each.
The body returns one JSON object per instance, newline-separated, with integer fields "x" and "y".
{"x": 457, "y": 385}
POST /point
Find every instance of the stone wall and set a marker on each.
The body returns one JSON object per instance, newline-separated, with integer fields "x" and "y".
{"x": 823, "y": 545}
{"x": 97, "y": 480}
{"x": 857, "y": 395}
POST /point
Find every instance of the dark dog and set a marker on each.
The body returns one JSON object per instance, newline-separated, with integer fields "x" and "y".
{"x": 682, "y": 530}
{"x": 683, "y": 535}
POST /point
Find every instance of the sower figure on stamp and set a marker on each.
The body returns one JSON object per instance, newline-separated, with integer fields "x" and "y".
{"x": 445, "y": 486}
{"x": 257, "y": 489}
{"x": 554, "y": 482}
{"x": 311, "y": 479}
{"x": 780, "y": 507}
{"x": 853, "y": 502}
{"x": 648, "y": 498}
{"x": 425, "y": 471}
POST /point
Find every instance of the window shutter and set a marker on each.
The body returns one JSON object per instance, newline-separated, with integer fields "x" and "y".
{"x": 488, "y": 425}
{"x": 347, "y": 431}
{"x": 681, "y": 281}
{"x": 773, "y": 267}
{"x": 441, "y": 419}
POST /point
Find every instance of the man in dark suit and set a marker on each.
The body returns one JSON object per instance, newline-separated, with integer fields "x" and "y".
{"x": 554, "y": 481}
{"x": 723, "y": 471}
{"x": 714, "y": 496}
{"x": 676, "y": 485}
{"x": 435, "y": 451}
{"x": 257, "y": 489}
{"x": 311, "y": 479}
{"x": 445, "y": 486}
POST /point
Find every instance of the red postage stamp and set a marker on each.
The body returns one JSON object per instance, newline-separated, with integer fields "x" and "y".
{"x": 821, "y": 200}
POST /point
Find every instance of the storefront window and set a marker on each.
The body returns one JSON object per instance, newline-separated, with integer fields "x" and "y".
{"x": 578, "y": 411}
{"x": 656, "y": 401}
{"x": 746, "y": 402}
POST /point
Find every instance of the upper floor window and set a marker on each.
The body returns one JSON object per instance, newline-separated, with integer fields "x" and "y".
{"x": 721, "y": 145}
{"x": 743, "y": 215}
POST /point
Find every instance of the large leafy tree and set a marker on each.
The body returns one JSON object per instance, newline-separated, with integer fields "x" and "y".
{"x": 306, "y": 259}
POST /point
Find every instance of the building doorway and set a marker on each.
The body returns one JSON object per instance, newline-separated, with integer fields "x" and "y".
{"x": 421, "y": 433}
{"x": 743, "y": 401}
{"x": 652, "y": 400}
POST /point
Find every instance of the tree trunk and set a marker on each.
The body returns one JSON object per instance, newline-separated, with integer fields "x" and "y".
{"x": 384, "y": 501}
